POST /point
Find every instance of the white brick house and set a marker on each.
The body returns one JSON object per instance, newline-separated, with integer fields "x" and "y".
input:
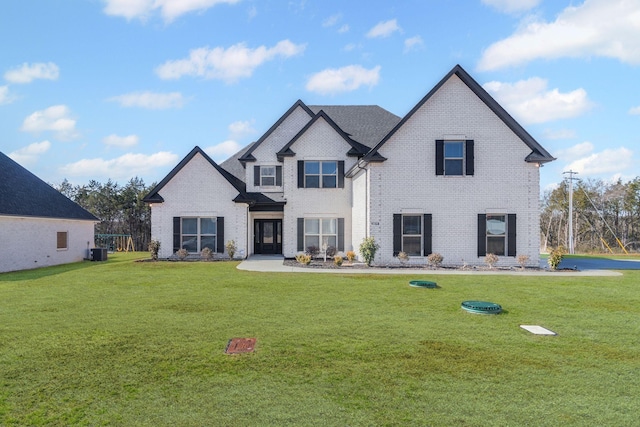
{"x": 457, "y": 175}
{"x": 39, "y": 227}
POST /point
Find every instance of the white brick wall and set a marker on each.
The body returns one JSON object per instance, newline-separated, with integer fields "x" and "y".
{"x": 503, "y": 181}
{"x": 32, "y": 242}
{"x": 265, "y": 153}
{"x": 198, "y": 190}
{"x": 320, "y": 142}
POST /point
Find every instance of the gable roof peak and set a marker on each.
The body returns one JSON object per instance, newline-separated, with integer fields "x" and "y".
{"x": 538, "y": 153}
{"x": 155, "y": 197}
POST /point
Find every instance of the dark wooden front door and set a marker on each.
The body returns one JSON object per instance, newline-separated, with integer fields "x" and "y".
{"x": 267, "y": 236}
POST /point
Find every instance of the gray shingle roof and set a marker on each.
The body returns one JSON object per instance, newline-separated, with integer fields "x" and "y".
{"x": 24, "y": 194}
{"x": 366, "y": 124}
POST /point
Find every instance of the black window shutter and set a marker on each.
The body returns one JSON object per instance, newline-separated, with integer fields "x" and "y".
{"x": 439, "y": 157}
{"x": 397, "y": 234}
{"x": 256, "y": 176}
{"x": 220, "y": 242}
{"x": 279, "y": 176}
{"x": 482, "y": 235}
{"x": 341, "y": 234}
{"x": 511, "y": 235}
{"x": 469, "y": 157}
{"x": 341, "y": 174}
{"x": 176, "y": 234}
{"x": 426, "y": 235}
{"x": 300, "y": 173}
{"x": 300, "y": 234}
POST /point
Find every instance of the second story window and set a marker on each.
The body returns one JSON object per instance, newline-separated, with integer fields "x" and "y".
{"x": 320, "y": 174}
{"x": 267, "y": 176}
{"x": 455, "y": 158}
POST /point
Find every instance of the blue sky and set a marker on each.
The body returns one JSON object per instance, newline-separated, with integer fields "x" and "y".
{"x": 98, "y": 89}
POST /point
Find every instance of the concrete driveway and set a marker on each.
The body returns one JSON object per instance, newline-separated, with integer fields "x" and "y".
{"x": 595, "y": 264}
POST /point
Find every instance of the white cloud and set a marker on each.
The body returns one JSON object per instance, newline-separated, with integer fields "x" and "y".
{"x": 332, "y": 20}
{"x": 512, "y": 6}
{"x": 114, "y": 140}
{"x": 150, "y": 100}
{"x": 531, "y": 102}
{"x": 241, "y": 129}
{"x": 344, "y": 28}
{"x": 582, "y": 149}
{"x": 55, "y": 119}
{"x": 223, "y": 151}
{"x": 5, "y": 97}
{"x": 30, "y": 153}
{"x": 608, "y": 161}
{"x": 633, "y": 111}
{"x": 229, "y": 65}
{"x": 413, "y": 43}
{"x": 345, "y": 79}
{"x": 607, "y": 28}
{"x": 122, "y": 167}
{"x": 169, "y": 9}
{"x": 30, "y": 72}
{"x": 384, "y": 29}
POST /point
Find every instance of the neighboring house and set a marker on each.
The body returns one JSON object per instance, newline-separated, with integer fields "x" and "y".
{"x": 457, "y": 175}
{"x": 39, "y": 226}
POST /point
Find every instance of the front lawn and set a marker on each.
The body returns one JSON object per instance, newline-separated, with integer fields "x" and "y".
{"x": 126, "y": 343}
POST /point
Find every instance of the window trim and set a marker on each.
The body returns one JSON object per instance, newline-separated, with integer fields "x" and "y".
{"x": 198, "y": 234}
{"x": 419, "y": 234}
{"x": 64, "y": 235}
{"x": 320, "y": 235}
{"x": 468, "y": 157}
{"x": 338, "y": 175}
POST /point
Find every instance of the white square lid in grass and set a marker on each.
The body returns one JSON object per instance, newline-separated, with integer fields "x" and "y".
{"x": 538, "y": 330}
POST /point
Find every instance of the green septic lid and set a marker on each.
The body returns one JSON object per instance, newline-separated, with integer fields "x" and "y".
{"x": 423, "y": 284}
{"x": 482, "y": 307}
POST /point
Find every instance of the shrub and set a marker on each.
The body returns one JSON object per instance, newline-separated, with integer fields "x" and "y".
{"x": 491, "y": 260}
{"x": 313, "y": 251}
{"x": 304, "y": 259}
{"x": 154, "y": 248}
{"x": 182, "y": 253}
{"x": 331, "y": 251}
{"x": 231, "y": 248}
{"x": 555, "y": 257}
{"x": 368, "y": 249}
{"x": 207, "y": 254}
{"x": 351, "y": 256}
{"x": 403, "y": 257}
{"x": 435, "y": 259}
{"x": 338, "y": 260}
{"x": 523, "y": 260}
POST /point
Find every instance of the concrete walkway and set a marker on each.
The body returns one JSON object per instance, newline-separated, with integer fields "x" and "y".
{"x": 275, "y": 264}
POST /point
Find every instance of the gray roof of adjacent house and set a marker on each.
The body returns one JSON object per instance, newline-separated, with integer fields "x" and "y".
{"x": 24, "y": 194}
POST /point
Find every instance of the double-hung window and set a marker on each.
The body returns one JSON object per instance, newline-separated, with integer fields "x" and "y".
{"x": 496, "y": 234}
{"x": 320, "y": 174}
{"x": 198, "y": 233}
{"x": 267, "y": 176}
{"x": 319, "y": 232}
{"x": 412, "y": 234}
{"x": 455, "y": 157}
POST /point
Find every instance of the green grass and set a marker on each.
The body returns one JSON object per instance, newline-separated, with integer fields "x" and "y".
{"x": 137, "y": 344}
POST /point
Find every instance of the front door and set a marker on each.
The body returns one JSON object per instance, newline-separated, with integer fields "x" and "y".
{"x": 267, "y": 236}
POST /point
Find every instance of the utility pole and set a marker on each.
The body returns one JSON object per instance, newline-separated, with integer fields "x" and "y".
{"x": 571, "y": 178}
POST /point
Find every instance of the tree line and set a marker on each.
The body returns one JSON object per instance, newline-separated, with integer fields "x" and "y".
{"x": 120, "y": 209}
{"x": 606, "y": 216}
